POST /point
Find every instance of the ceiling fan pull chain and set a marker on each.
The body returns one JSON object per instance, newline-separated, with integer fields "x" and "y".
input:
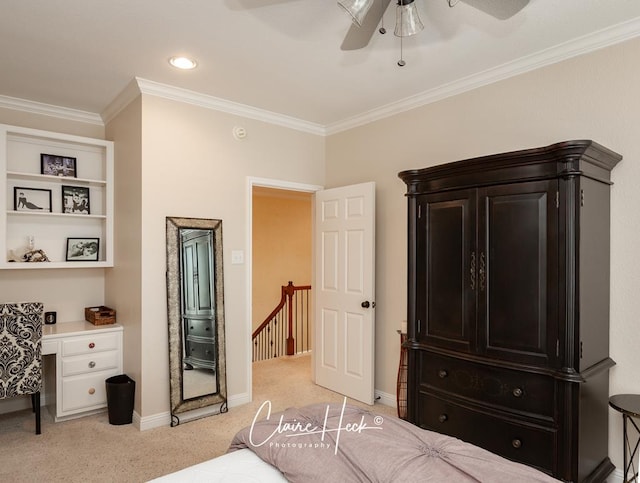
{"x": 401, "y": 62}
{"x": 382, "y": 30}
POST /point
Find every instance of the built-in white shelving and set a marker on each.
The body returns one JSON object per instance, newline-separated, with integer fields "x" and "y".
{"x": 20, "y": 167}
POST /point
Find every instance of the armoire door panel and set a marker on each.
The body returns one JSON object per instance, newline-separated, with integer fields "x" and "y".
{"x": 448, "y": 296}
{"x": 517, "y": 281}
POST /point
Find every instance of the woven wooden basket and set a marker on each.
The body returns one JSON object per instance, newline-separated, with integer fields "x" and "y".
{"x": 100, "y": 315}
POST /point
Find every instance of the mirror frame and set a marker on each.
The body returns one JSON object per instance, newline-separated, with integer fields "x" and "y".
{"x": 174, "y": 304}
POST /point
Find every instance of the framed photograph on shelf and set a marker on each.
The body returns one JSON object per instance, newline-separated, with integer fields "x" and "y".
{"x": 83, "y": 249}
{"x": 75, "y": 199}
{"x": 54, "y": 165}
{"x": 31, "y": 199}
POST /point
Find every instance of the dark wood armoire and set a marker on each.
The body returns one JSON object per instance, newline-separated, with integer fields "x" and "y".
{"x": 508, "y": 304}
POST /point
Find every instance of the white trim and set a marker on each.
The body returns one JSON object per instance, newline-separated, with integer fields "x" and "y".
{"x": 122, "y": 100}
{"x": 582, "y": 45}
{"x": 33, "y": 107}
{"x": 266, "y": 183}
{"x": 218, "y": 104}
{"x": 385, "y": 398}
{"x": 151, "y": 422}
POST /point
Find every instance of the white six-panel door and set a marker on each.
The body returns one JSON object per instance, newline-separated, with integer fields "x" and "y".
{"x": 344, "y": 289}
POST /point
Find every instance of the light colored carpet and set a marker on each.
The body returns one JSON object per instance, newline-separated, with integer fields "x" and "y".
{"x": 89, "y": 449}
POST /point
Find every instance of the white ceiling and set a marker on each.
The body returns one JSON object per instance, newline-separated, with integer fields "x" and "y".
{"x": 284, "y": 56}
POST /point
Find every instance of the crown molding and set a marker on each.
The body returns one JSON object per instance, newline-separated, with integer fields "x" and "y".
{"x": 582, "y": 45}
{"x": 218, "y": 104}
{"x": 122, "y": 100}
{"x": 33, "y": 107}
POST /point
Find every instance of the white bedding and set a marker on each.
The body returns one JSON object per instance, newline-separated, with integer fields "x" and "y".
{"x": 242, "y": 466}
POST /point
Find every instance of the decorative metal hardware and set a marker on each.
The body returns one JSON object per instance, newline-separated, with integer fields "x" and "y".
{"x": 516, "y": 443}
{"x": 442, "y": 373}
{"x": 92, "y": 365}
{"x": 442, "y": 418}
{"x": 481, "y": 272}
{"x": 517, "y": 392}
{"x": 472, "y": 270}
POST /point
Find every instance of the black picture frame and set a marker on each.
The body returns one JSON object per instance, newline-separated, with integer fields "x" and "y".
{"x": 54, "y": 165}
{"x": 83, "y": 249}
{"x": 31, "y": 199}
{"x": 75, "y": 199}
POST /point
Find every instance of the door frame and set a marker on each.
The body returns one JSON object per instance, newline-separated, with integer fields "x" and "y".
{"x": 265, "y": 183}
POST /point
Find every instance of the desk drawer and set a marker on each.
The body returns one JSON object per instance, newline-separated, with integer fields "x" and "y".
{"x": 89, "y": 344}
{"x": 85, "y": 364}
{"x": 530, "y": 444}
{"x": 515, "y": 390}
{"x": 85, "y": 392}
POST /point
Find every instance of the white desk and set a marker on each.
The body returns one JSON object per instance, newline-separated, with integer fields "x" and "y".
{"x": 78, "y": 357}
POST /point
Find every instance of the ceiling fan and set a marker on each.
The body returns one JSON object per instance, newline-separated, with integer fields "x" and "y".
{"x": 367, "y": 17}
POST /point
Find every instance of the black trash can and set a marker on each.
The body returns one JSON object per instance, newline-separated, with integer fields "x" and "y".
{"x": 121, "y": 392}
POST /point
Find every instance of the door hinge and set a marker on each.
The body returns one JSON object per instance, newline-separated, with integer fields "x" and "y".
{"x": 557, "y": 347}
{"x": 418, "y": 324}
{"x": 557, "y": 199}
{"x": 419, "y": 211}
{"x": 581, "y": 197}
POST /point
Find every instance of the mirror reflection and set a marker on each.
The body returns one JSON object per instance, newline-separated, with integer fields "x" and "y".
{"x": 196, "y": 314}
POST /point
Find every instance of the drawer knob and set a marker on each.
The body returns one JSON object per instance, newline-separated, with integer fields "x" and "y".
{"x": 517, "y": 392}
{"x": 91, "y": 345}
{"x": 92, "y": 390}
{"x": 516, "y": 443}
{"x": 92, "y": 365}
{"x": 442, "y": 418}
{"x": 442, "y": 373}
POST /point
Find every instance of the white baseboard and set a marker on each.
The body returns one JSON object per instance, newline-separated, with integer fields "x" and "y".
{"x": 386, "y": 399}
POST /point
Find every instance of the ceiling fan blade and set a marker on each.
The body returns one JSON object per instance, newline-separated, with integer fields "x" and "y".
{"x": 359, "y": 37}
{"x": 500, "y": 9}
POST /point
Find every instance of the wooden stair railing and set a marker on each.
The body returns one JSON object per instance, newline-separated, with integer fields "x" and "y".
{"x": 286, "y": 330}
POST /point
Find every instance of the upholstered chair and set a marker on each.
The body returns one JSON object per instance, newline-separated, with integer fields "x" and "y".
{"x": 21, "y": 352}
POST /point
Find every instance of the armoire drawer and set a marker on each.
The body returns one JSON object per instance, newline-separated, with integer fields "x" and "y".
{"x": 200, "y": 327}
{"x": 200, "y": 350}
{"x": 529, "y": 444}
{"x": 515, "y": 390}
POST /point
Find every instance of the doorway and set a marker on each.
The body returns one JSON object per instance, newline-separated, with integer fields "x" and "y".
{"x": 279, "y": 245}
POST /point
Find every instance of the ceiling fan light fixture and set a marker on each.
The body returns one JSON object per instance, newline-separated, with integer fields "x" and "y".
{"x": 407, "y": 19}
{"x": 357, "y": 9}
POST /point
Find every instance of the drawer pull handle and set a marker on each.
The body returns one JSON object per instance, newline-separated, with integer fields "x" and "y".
{"x": 442, "y": 373}
{"x": 92, "y": 390}
{"x": 91, "y": 345}
{"x": 516, "y": 443}
{"x": 92, "y": 365}
{"x": 442, "y": 418}
{"x": 517, "y": 392}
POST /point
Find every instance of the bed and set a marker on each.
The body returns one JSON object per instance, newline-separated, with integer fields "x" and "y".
{"x": 334, "y": 442}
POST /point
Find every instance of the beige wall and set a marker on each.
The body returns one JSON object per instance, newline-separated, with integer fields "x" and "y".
{"x": 591, "y": 97}
{"x": 123, "y": 283}
{"x": 281, "y": 246}
{"x": 193, "y": 167}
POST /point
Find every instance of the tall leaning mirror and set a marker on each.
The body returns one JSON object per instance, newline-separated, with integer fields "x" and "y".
{"x": 195, "y": 308}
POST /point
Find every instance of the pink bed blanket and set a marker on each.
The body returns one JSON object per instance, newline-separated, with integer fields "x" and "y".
{"x": 341, "y": 443}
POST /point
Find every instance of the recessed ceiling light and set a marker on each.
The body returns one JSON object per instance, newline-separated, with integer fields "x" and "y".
{"x": 183, "y": 63}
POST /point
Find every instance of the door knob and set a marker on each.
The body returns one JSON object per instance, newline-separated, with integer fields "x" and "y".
{"x": 365, "y": 304}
